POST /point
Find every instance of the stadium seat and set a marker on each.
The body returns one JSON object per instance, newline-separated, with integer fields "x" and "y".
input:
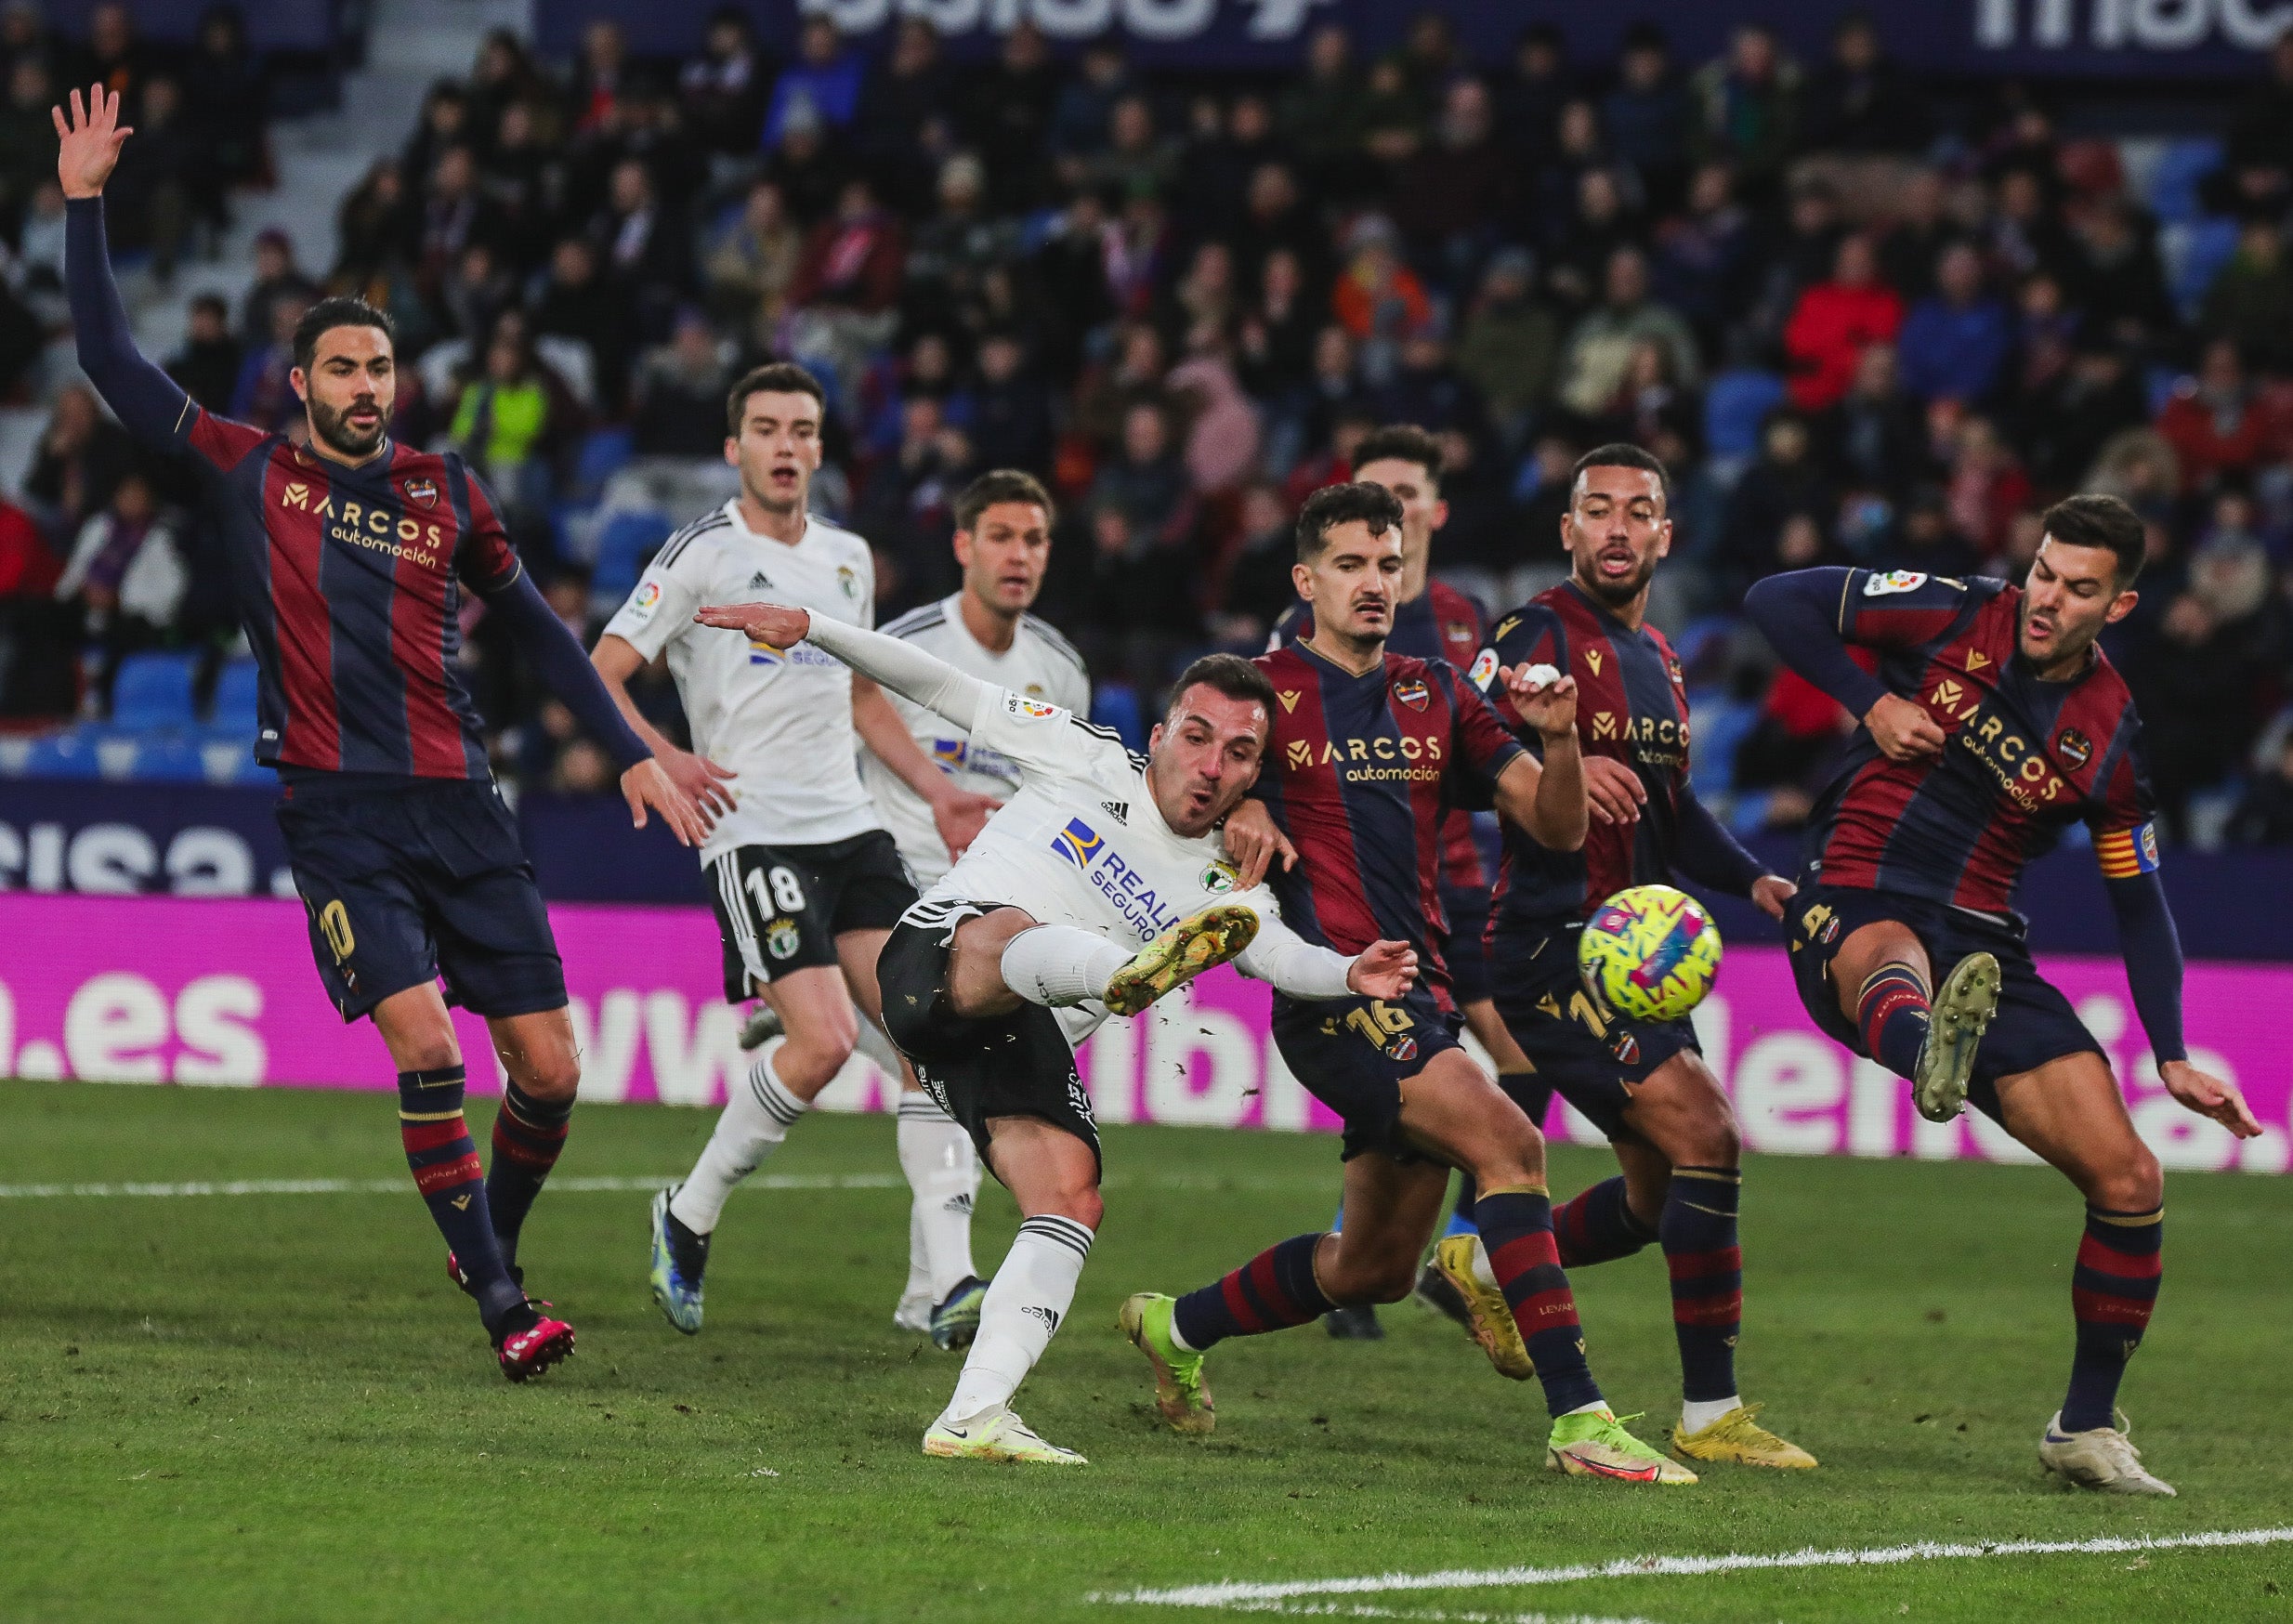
{"x": 167, "y": 759}
{"x": 153, "y": 691}
{"x": 2170, "y": 187}
{"x": 627, "y": 539}
{"x": 63, "y": 756}
{"x": 1732, "y": 407}
{"x": 605, "y": 452}
{"x": 233, "y": 710}
{"x": 571, "y": 360}
{"x": 1721, "y": 724}
{"x": 2195, "y": 253}
{"x": 1116, "y": 705}
{"x": 439, "y": 366}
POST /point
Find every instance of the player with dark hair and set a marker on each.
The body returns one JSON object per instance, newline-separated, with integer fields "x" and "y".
{"x": 1434, "y": 621}
{"x": 348, "y": 560}
{"x": 1993, "y": 724}
{"x": 1369, "y": 751}
{"x": 1643, "y": 1083}
{"x": 1099, "y": 888}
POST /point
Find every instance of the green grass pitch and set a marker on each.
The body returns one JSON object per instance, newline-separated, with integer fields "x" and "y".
{"x": 275, "y": 1407}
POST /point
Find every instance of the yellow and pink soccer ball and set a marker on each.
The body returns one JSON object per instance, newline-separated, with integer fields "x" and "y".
{"x": 1650, "y": 952}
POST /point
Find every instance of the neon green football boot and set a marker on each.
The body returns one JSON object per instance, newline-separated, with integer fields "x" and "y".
{"x": 1182, "y": 1391}
{"x": 1193, "y": 945}
{"x": 1593, "y": 1444}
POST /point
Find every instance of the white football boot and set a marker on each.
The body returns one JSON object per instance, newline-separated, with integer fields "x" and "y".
{"x": 2103, "y": 1459}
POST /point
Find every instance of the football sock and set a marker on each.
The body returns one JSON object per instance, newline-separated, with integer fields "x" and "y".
{"x": 756, "y": 1122}
{"x": 527, "y": 1134}
{"x": 880, "y": 1049}
{"x": 1025, "y": 1303}
{"x": 1461, "y": 1216}
{"x": 943, "y": 1176}
{"x": 1892, "y": 1014}
{"x": 1598, "y": 1225}
{"x": 1517, "y": 1231}
{"x": 2112, "y": 1293}
{"x": 444, "y": 1162}
{"x": 1273, "y": 1292}
{"x": 919, "y": 1285}
{"x": 1059, "y": 965}
{"x": 1699, "y": 1234}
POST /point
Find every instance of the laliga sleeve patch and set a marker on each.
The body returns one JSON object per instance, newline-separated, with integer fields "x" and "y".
{"x": 1021, "y": 708}
{"x": 1483, "y": 670}
{"x": 644, "y": 601}
{"x": 1893, "y": 581}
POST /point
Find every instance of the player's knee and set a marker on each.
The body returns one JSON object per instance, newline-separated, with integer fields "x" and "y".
{"x": 817, "y": 1051}
{"x": 1713, "y": 1142}
{"x": 1081, "y": 1203}
{"x": 2136, "y": 1184}
{"x": 552, "y": 1078}
{"x": 434, "y": 1053}
{"x": 1513, "y": 1156}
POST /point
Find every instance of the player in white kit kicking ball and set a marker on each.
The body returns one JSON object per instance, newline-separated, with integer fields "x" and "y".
{"x": 1100, "y": 886}
{"x": 804, "y": 878}
{"x": 1003, "y": 540}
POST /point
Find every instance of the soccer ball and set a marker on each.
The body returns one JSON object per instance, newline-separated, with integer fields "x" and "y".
{"x": 1651, "y": 953}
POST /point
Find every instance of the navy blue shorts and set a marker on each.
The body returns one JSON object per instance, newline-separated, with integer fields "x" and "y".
{"x": 1593, "y": 1056}
{"x": 415, "y": 879}
{"x": 1464, "y": 950}
{"x": 1353, "y": 1055}
{"x": 2035, "y": 1023}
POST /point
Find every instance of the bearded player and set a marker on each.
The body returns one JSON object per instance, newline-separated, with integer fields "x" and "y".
{"x": 1643, "y": 1083}
{"x": 1434, "y": 621}
{"x": 1993, "y": 724}
{"x": 347, "y": 562}
{"x": 1369, "y": 751}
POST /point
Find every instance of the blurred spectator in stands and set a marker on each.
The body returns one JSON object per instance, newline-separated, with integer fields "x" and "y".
{"x": 1258, "y": 587}
{"x": 598, "y": 75}
{"x": 207, "y": 365}
{"x": 1789, "y": 751}
{"x": 1836, "y": 321}
{"x": 1925, "y": 541}
{"x": 2095, "y": 397}
{"x": 2218, "y": 643}
{"x": 2256, "y": 159}
{"x": 1138, "y": 606}
{"x": 1277, "y": 328}
{"x": 505, "y": 74}
{"x": 227, "y": 103}
{"x": 1012, "y": 414}
{"x": 809, "y": 171}
{"x": 1334, "y": 392}
{"x": 445, "y": 123}
{"x": 848, "y": 286}
{"x": 79, "y": 462}
{"x": 2219, "y": 423}
{"x": 1222, "y": 422}
{"x": 1320, "y": 114}
{"x": 264, "y": 395}
{"x": 2250, "y": 302}
{"x": 1223, "y": 146}
{"x": 1748, "y": 105}
{"x": 721, "y": 90}
{"x": 954, "y": 253}
{"x": 1510, "y": 347}
{"x": 1705, "y": 256}
{"x": 642, "y": 247}
{"x": 1529, "y": 96}
{"x": 905, "y": 105}
{"x": 1133, "y": 377}
{"x": 2046, "y": 333}
{"x": 1601, "y": 344}
{"x": 476, "y": 290}
{"x": 751, "y": 264}
{"x": 523, "y": 179}
{"x": 1457, "y": 195}
{"x": 1861, "y": 103}
{"x": 1083, "y": 114}
{"x": 680, "y": 393}
{"x": 27, "y": 140}
{"x": 1006, "y": 116}
{"x": 127, "y": 574}
{"x": 906, "y": 507}
{"x": 116, "y": 57}
{"x": 2264, "y": 817}
{"x": 1783, "y": 480}
{"x": 1146, "y": 482}
{"x": 576, "y": 302}
{"x": 1956, "y": 341}
{"x": 1918, "y": 232}
{"x": 503, "y": 421}
{"x": 373, "y": 228}
{"x": 276, "y": 280}
{"x": 1069, "y": 272}
{"x": 1875, "y": 436}
{"x": 1424, "y": 388}
{"x": 1985, "y": 486}
{"x": 1648, "y": 114}
{"x": 36, "y": 676}
{"x": 2114, "y": 273}
{"x": 1392, "y": 117}
{"x": 455, "y": 213}
{"x": 822, "y": 83}
{"x": 24, "y": 35}
{"x": 1135, "y": 157}
{"x": 1275, "y": 218}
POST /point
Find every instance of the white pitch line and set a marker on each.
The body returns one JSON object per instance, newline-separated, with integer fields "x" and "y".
{"x": 1240, "y": 1594}
{"x": 1364, "y": 1610}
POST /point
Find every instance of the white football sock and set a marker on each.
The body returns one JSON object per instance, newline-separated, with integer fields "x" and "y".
{"x": 919, "y": 1286}
{"x": 1696, "y": 1414}
{"x": 1028, "y": 1299}
{"x": 878, "y": 1048}
{"x": 756, "y": 1121}
{"x": 1059, "y": 965}
{"x": 943, "y": 1176}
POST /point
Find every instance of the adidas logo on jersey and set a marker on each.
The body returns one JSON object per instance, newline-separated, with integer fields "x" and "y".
{"x": 1118, "y": 810}
{"x": 760, "y": 579}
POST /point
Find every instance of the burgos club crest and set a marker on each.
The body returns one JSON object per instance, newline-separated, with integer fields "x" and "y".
{"x": 422, "y": 491}
{"x": 1412, "y": 692}
{"x": 1219, "y": 877}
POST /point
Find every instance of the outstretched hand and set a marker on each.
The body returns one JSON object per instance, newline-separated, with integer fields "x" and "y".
{"x": 2209, "y": 1096}
{"x": 1385, "y": 970}
{"x": 647, "y": 784}
{"x": 1254, "y": 842}
{"x": 88, "y": 141}
{"x": 764, "y": 623}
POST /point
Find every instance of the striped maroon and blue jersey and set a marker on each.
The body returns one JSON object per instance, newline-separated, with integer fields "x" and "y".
{"x": 1361, "y": 773}
{"x": 349, "y": 581}
{"x": 2023, "y": 758}
{"x": 1631, "y": 706}
{"x": 1440, "y": 623}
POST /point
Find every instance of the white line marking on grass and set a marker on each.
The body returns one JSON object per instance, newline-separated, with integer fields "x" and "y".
{"x": 1241, "y": 1595}
{"x": 1364, "y": 1610}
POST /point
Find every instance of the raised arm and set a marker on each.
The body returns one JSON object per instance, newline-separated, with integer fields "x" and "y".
{"x": 145, "y": 399}
{"x": 1547, "y": 799}
{"x": 1707, "y": 854}
{"x": 1806, "y": 615}
{"x": 899, "y": 666}
{"x": 1295, "y": 966}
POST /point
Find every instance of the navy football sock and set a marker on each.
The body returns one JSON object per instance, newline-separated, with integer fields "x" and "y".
{"x": 527, "y": 1134}
{"x": 1273, "y": 1292}
{"x": 1598, "y": 1225}
{"x": 1707, "y": 1267}
{"x": 446, "y": 1171}
{"x": 1893, "y": 1015}
{"x": 2115, "y": 1286}
{"x": 1461, "y": 1216}
{"x": 1516, "y": 1229}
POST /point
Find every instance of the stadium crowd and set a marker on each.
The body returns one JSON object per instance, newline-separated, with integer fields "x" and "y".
{"x": 1859, "y": 324}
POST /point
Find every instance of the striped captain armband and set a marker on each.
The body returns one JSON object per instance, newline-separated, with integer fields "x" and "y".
{"x": 2125, "y": 853}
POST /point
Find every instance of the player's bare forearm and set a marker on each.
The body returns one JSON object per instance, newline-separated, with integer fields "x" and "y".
{"x": 905, "y": 668}
{"x": 1548, "y": 801}
{"x": 885, "y": 734}
{"x": 616, "y": 660}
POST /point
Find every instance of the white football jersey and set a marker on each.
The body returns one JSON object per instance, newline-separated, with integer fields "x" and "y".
{"x": 1039, "y": 664}
{"x": 1081, "y": 843}
{"x": 781, "y": 720}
